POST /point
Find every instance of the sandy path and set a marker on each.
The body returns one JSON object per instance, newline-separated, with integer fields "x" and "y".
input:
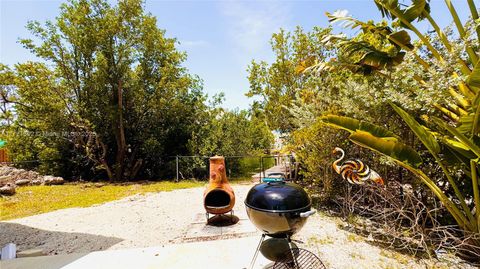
{"x": 157, "y": 219}
{"x": 137, "y": 221}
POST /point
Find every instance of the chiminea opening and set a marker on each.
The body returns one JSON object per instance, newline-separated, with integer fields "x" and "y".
{"x": 217, "y": 199}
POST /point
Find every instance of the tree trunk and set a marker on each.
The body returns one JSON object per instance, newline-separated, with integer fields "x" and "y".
{"x": 135, "y": 169}
{"x": 119, "y": 135}
{"x": 104, "y": 162}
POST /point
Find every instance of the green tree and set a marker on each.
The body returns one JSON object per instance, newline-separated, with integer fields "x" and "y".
{"x": 32, "y": 134}
{"x": 120, "y": 87}
{"x": 279, "y": 84}
{"x": 230, "y": 133}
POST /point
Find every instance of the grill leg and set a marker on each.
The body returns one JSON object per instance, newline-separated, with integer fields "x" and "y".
{"x": 208, "y": 217}
{"x": 256, "y": 252}
{"x": 294, "y": 258}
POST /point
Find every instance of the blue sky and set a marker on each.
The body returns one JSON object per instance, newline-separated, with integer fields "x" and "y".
{"x": 220, "y": 37}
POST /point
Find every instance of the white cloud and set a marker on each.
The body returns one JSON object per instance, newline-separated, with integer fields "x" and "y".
{"x": 194, "y": 43}
{"x": 252, "y": 23}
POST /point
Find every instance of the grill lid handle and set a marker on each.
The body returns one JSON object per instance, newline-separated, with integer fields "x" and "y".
{"x": 276, "y": 183}
{"x": 308, "y": 213}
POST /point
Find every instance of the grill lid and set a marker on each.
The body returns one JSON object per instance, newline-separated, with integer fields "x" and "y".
{"x": 278, "y": 197}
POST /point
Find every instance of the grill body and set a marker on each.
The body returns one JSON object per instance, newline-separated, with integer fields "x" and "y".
{"x": 278, "y": 209}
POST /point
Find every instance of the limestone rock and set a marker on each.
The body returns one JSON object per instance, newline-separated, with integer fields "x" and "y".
{"x": 5, "y": 179}
{"x": 51, "y": 180}
{"x": 8, "y": 189}
{"x": 36, "y": 182}
{"x": 21, "y": 177}
{"x": 21, "y": 182}
{"x": 99, "y": 185}
{"x": 30, "y": 253}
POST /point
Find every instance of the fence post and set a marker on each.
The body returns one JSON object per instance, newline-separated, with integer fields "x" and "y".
{"x": 261, "y": 168}
{"x": 176, "y": 161}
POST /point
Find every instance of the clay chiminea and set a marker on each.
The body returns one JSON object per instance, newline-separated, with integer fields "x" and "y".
{"x": 218, "y": 198}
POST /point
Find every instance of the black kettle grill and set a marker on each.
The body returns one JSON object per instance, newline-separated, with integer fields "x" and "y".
{"x": 279, "y": 209}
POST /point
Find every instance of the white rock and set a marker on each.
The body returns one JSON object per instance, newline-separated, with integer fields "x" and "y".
{"x": 5, "y": 179}
{"x": 21, "y": 182}
{"x": 8, "y": 189}
{"x": 36, "y": 182}
{"x": 51, "y": 180}
{"x": 30, "y": 253}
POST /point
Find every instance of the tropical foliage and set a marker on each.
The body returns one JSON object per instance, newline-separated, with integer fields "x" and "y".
{"x": 310, "y": 97}
{"x": 411, "y": 99}
{"x": 452, "y": 138}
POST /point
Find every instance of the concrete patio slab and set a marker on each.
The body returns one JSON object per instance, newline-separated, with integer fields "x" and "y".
{"x": 221, "y": 254}
{"x": 199, "y": 230}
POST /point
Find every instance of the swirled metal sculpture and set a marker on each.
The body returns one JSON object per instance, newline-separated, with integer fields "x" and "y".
{"x": 355, "y": 171}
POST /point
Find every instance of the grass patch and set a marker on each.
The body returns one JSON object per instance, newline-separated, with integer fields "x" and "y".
{"x": 354, "y": 238}
{"x": 321, "y": 241}
{"x": 403, "y": 259}
{"x": 32, "y": 200}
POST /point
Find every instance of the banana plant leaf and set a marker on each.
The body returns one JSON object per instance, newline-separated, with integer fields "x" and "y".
{"x": 473, "y": 81}
{"x": 455, "y": 158}
{"x": 385, "y": 6}
{"x": 471, "y": 144}
{"x": 420, "y": 131}
{"x": 351, "y": 125}
{"x": 402, "y": 37}
{"x": 393, "y": 149}
{"x": 413, "y": 12}
{"x": 366, "y": 55}
{"x": 376, "y": 138}
{"x": 465, "y": 123}
{"x": 459, "y": 148}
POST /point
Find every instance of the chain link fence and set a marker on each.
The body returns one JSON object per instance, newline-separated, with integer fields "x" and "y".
{"x": 237, "y": 167}
{"x": 181, "y": 167}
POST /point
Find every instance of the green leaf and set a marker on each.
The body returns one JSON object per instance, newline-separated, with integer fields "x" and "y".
{"x": 385, "y": 6}
{"x": 363, "y": 53}
{"x": 391, "y": 148}
{"x": 465, "y": 123}
{"x": 401, "y": 37}
{"x": 473, "y": 79}
{"x": 459, "y": 148}
{"x": 416, "y": 10}
{"x": 391, "y": 9}
{"x": 420, "y": 131}
{"x": 458, "y": 135}
{"x": 351, "y": 125}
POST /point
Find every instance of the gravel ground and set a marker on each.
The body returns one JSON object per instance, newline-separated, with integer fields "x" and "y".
{"x": 156, "y": 219}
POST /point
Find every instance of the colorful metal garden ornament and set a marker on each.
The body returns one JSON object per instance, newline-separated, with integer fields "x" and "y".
{"x": 355, "y": 171}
